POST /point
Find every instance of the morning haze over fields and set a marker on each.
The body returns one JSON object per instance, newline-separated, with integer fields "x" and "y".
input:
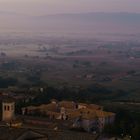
{"x": 82, "y": 22}
{"x": 69, "y": 69}
{"x": 109, "y": 16}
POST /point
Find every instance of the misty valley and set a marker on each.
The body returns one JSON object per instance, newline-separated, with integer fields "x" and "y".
{"x": 69, "y": 70}
{"x": 67, "y": 61}
{"x": 35, "y": 69}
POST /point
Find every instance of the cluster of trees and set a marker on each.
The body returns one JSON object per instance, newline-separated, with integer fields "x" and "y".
{"x": 12, "y": 65}
{"x": 6, "y": 82}
{"x": 126, "y": 123}
{"x": 78, "y": 64}
{"x": 92, "y": 94}
{"x": 3, "y": 54}
{"x": 79, "y": 52}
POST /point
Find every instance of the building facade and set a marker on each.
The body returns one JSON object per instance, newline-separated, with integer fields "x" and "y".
{"x": 90, "y": 117}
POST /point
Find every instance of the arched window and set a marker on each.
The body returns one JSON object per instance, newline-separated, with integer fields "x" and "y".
{"x": 8, "y": 108}
{"x": 5, "y": 107}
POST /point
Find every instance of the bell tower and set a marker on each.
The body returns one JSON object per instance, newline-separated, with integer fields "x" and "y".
{"x": 8, "y": 110}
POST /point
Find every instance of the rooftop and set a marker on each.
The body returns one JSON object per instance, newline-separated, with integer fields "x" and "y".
{"x": 86, "y": 111}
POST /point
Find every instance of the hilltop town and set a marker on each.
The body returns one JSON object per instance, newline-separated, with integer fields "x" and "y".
{"x": 55, "y": 117}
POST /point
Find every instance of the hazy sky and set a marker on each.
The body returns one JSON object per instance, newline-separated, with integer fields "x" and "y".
{"x": 44, "y": 7}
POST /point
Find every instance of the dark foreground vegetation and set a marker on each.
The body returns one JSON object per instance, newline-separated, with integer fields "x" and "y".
{"x": 126, "y": 123}
{"x": 92, "y": 94}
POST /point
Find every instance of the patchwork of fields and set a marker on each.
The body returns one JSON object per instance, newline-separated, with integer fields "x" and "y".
{"x": 40, "y": 61}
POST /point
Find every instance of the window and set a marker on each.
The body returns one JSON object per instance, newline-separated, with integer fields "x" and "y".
{"x": 5, "y": 107}
{"x": 8, "y": 108}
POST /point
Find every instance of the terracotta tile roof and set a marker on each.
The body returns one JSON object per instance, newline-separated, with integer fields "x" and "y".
{"x": 67, "y": 104}
{"x": 53, "y": 113}
{"x": 91, "y": 106}
{"x": 50, "y": 107}
{"x": 84, "y": 113}
{"x": 89, "y": 114}
{"x": 91, "y": 111}
{"x": 103, "y": 114}
{"x": 31, "y": 107}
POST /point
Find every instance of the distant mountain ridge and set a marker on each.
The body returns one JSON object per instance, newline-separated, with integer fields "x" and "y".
{"x": 131, "y": 17}
{"x": 95, "y": 14}
{"x": 96, "y": 21}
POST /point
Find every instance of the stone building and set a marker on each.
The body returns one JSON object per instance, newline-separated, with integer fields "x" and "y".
{"x": 7, "y": 110}
{"x": 90, "y": 117}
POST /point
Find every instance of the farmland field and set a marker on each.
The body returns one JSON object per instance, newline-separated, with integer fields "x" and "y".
{"x": 63, "y": 60}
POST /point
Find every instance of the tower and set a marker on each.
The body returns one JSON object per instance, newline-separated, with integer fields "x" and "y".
{"x": 8, "y": 110}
